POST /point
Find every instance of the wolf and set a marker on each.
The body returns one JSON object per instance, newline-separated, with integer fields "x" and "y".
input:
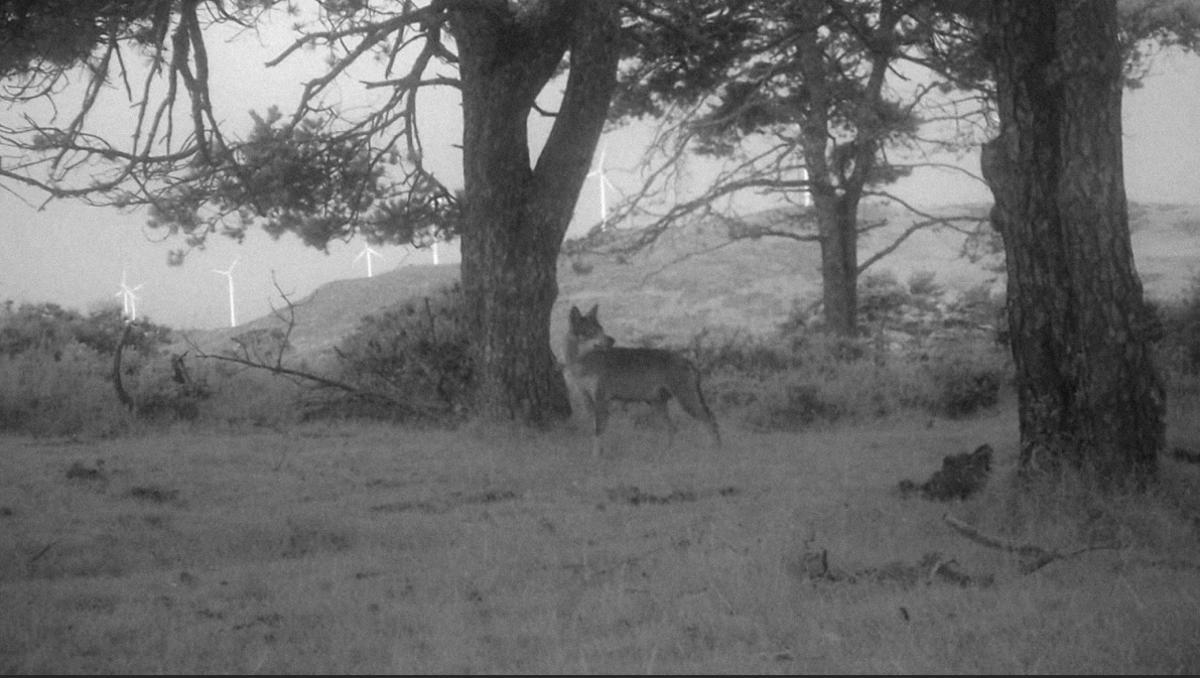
{"x": 602, "y": 373}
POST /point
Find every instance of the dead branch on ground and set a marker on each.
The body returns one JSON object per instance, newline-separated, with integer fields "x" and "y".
{"x": 1036, "y": 556}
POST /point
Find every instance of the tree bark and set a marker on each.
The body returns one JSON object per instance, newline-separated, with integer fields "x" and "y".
{"x": 516, "y": 215}
{"x": 1090, "y": 396}
{"x": 837, "y": 222}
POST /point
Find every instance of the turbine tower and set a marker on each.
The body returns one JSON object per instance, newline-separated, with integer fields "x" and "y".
{"x": 605, "y": 184}
{"x": 128, "y": 299}
{"x": 368, "y": 253}
{"x": 228, "y": 273}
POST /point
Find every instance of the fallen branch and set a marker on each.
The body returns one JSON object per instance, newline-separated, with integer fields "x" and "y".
{"x": 43, "y": 552}
{"x": 264, "y": 350}
{"x": 425, "y": 408}
{"x": 1038, "y": 556}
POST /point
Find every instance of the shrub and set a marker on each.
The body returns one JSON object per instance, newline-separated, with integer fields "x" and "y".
{"x": 793, "y": 407}
{"x": 51, "y": 327}
{"x": 713, "y": 352}
{"x": 965, "y": 392}
{"x": 922, "y": 284}
{"x": 248, "y": 397}
{"x": 925, "y": 293}
{"x": 61, "y": 391}
{"x": 1180, "y": 347}
{"x": 165, "y": 389}
{"x": 966, "y": 378}
{"x": 881, "y": 297}
{"x": 977, "y": 308}
{"x": 790, "y": 383}
{"x": 415, "y": 353}
{"x": 799, "y": 317}
{"x": 44, "y": 327}
{"x": 56, "y": 369}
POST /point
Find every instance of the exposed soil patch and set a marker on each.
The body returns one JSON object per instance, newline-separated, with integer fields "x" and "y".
{"x": 455, "y": 500}
{"x": 303, "y": 542}
{"x": 632, "y": 495}
{"x": 79, "y": 471}
{"x": 153, "y": 494}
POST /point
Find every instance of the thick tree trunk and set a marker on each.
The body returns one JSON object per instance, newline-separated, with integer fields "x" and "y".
{"x": 516, "y": 215}
{"x": 1089, "y": 393}
{"x": 837, "y": 222}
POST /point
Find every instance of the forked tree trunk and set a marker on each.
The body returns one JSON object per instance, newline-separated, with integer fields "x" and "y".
{"x": 838, "y": 174}
{"x": 1090, "y": 396}
{"x": 516, "y": 215}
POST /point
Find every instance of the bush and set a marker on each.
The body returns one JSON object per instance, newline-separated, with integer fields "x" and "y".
{"x": 787, "y": 383}
{"x": 248, "y": 397}
{"x": 977, "y": 308}
{"x": 799, "y": 318}
{"x": 60, "y": 391}
{"x": 164, "y": 389}
{"x": 750, "y": 355}
{"x": 921, "y": 284}
{"x": 56, "y": 370}
{"x": 966, "y": 378}
{"x": 415, "y": 353}
{"x": 50, "y": 327}
{"x": 1180, "y": 346}
{"x": 793, "y": 407}
{"x": 881, "y": 297}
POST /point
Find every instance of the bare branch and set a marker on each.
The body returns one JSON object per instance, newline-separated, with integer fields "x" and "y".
{"x": 895, "y": 244}
{"x": 1036, "y": 556}
{"x": 264, "y": 350}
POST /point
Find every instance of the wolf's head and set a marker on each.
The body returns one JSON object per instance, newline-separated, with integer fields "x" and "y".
{"x": 586, "y": 333}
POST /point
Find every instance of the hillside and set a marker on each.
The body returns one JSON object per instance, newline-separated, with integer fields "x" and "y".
{"x": 334, "y": 309}
{"x": 695, "y": 278}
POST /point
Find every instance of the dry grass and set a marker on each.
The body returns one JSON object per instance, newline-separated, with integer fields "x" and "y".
{"x": 381, "y": 549}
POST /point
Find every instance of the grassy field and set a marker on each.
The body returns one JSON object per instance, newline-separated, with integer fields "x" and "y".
{"x": 373, "y": 548}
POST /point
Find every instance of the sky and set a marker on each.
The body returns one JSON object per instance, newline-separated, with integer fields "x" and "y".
{"x": 74, "y": 255}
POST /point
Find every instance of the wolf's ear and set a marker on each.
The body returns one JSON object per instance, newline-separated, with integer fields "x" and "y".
{"x": 592, "y": 313}
{"x": 575, "y": 316}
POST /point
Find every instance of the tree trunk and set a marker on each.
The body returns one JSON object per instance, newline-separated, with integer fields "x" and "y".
{"x": 516, "y": 215}
{"x": 1089, "y": 393}
{"x": 837, "y": 222}
{"x": 838, "y": 170}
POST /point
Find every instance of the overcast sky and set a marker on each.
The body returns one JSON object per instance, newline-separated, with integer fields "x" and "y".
{"x": 74, "y": 255}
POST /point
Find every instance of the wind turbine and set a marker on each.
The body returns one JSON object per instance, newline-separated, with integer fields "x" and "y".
{"x": 128, "y": 298}
{"x": 605, "y": 184}
{"x": 228, "y": 273}
{"x": 368, "y": 253}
